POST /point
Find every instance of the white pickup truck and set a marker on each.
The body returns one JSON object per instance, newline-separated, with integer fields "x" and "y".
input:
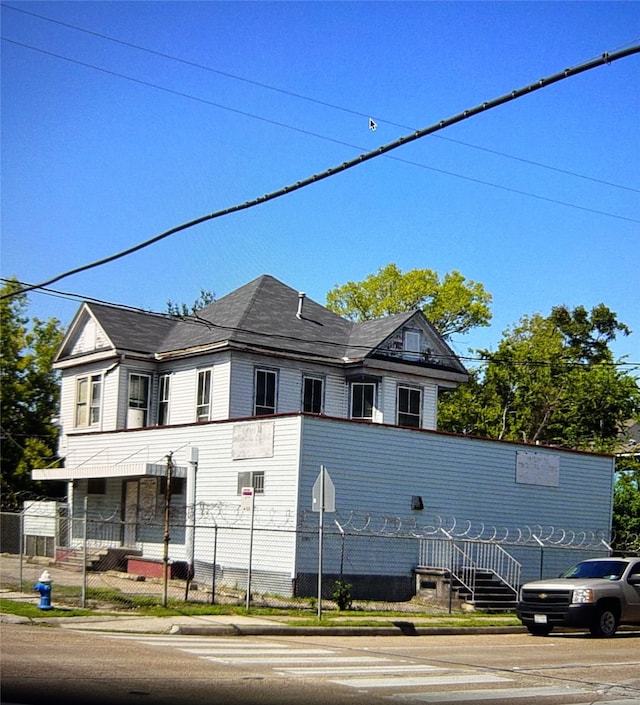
{"x": 598, "y": 594}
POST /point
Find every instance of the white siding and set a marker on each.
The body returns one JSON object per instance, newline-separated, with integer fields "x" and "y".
{"x": 217, "y": 487}
{"x": 376, "y": 470}
{"x": 430, "y": 406}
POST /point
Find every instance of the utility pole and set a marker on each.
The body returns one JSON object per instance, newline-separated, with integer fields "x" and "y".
{"x": 167, "y": 538}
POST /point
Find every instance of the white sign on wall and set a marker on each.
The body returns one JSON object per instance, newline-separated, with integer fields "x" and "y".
{"x": 253, "y": 440}
{"x": 537, "y": 469}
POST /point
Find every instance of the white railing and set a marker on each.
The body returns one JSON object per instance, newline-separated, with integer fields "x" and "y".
{"x": 463, "y": 558}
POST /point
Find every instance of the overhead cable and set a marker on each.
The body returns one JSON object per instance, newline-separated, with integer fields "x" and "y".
{"x": 300, "y": 96}
{"x": 326, "y": 138}
{"x": 606, "y": 58}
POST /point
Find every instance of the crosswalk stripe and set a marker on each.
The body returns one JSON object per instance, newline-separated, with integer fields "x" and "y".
{"x": 215, "y": 651}
{"x": 344, "y": 670}
{"x": 294, "y": 659}
{"x": 495, "y": 694}
{"x": 394, "y": 682}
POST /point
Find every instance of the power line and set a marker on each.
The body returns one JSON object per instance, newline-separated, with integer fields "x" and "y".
{"x": 310, "y": 133}
{"x": 195, "y": 319}
{"x": 606, "y": 58}
{"x": 301, "y": 96}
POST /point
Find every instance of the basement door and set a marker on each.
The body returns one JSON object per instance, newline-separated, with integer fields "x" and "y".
{"x": 130, "y": 513}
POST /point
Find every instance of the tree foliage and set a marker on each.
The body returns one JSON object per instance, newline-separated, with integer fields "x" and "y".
{"x": 182, "y": 310}
{"x": 626, "y": 504}
{"x": 29, "y": 395}
{"x": 452, "y": 304}
{"x": 551, "y": 380}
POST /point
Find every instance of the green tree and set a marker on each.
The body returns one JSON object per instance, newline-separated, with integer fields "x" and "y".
{"x": 182, "y": 310}
{"x": 29, "y": 396}
{"x": 553, "y": 380}
{"x": 626, "y": 504}
{"x": 452, "y": 304}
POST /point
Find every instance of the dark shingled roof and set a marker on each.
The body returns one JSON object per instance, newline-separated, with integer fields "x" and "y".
{"x": 260, "y": 315}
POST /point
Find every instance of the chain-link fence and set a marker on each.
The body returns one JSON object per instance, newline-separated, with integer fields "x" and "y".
{"x": 215, "y": 555}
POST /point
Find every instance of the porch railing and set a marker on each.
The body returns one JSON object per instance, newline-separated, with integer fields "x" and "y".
{"x": 464, "y": 558}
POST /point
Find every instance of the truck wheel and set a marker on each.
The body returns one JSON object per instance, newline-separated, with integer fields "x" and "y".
{"x": 539, "y": 629}
{"x": 605, "y": 622}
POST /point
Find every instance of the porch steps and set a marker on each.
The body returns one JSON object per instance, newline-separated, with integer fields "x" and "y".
{"x": 491, "y": 593}
{"x": 97, "y": 560}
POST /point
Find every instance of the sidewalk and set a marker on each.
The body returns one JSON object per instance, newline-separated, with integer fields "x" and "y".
{"x": 233, "y": 624}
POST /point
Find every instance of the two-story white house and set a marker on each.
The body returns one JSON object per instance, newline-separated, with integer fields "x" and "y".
{"x": 260, "y": 389}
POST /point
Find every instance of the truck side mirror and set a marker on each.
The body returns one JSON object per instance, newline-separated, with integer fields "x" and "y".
{"x": 634, "y": 579}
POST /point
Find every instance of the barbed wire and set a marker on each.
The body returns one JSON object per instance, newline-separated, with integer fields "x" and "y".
{"x": 356, "y": 523}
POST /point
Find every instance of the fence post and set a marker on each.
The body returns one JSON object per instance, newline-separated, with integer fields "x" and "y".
{"x": 21, "y": 545}
{"x": 167, "y": 538}
{"x": 252, "y": 505}
{"x": 213, "y": 571}
{"x": 85, "y": 518}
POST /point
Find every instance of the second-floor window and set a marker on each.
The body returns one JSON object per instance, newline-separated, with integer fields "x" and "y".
{"x": 363, "y": 400}
{"x": 138, "y": 413}
{"x": 163, "y": 399}
{"x": 266, "y": 382}
{"x": 312, "y": 394}
{"x": 203, "y": 399}
{"x": 409, "y": 405}
{"x": 88, "y": 400}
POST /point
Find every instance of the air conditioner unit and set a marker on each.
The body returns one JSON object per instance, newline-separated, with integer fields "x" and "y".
{"x": 135, "y": 418}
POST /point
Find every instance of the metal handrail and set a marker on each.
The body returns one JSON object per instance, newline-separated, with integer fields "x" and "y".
{"x": 464, "y": 557}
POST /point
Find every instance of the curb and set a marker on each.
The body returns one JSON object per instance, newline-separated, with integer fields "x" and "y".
{"x": 403, "y": 629}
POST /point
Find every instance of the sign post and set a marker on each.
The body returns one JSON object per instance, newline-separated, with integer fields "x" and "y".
{"x": 324, "y": 500}
{"x": 248, "y": 504}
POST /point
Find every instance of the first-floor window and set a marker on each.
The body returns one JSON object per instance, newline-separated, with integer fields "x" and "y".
{"x": 312, "y": 395}
{"x": 88, "y": 400}
{"x": 265, "y": 392}
{"x": 363, "y": 400}
{"x": 97, "y": 485}
{"x": 138, "y": 400}
{"x": 409, "y": 404}
{"x": 163, "y": 400}
{"x": 253, "y": 478}
{"x": 203, "y": 401}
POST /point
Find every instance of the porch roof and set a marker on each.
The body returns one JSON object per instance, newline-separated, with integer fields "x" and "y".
{"x": 119, "y": 470}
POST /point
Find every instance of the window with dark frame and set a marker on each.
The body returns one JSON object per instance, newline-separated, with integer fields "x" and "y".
{"x": 265, "y": 392}
{"x": 163, "y": 399}
{"x": 177, "y": 485}
{"x": 97, "y": 485}
{"x": 409, "y": 406}
{"x": 363, "y": 400}
{"x": 251, "y": 478}
{"x": 312, "y": 393}
{"x": 139, "y": 395}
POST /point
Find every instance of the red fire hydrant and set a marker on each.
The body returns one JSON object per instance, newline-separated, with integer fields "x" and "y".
{"x": 43, "y": 586}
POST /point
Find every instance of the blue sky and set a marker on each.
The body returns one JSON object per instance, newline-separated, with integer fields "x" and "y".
{"x": 105, "y": 145}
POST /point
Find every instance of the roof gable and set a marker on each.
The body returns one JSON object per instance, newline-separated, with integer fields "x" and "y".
{"x": 99, "y": 327}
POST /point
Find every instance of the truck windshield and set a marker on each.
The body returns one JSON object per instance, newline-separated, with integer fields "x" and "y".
{"x": 611, "y": 570}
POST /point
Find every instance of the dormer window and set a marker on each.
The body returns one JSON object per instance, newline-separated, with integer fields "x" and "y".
{"x": 412, "y": 345}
